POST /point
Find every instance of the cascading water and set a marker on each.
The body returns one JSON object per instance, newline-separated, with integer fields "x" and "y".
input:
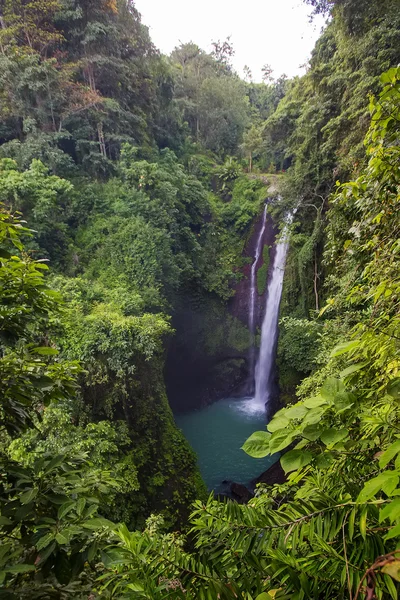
{"x": 252, "y": 301}
{"x": 269, "y": 330}
{"x": 218, "y": 431}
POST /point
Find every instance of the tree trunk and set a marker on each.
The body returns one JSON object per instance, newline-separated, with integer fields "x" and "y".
{"x": 316, "y": 282}
{"x": 102, "y": 143}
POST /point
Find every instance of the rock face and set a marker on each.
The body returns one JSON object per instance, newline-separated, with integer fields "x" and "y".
{"x": 275, "y": 474}
{"x": 240, "y": 302}
{"x": 208, "y": 358}
{"x": 240, "y": 493}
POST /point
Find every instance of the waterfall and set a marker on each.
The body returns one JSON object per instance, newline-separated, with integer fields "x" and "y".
{"x": 253, "y": 286}
{"x": 269, "y": 330}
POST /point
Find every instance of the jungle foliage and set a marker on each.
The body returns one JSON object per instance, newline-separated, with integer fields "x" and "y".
{"x": 127, "y": 172}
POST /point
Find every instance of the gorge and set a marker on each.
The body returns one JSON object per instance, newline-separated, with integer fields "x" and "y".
{"x": 217, "y": 432}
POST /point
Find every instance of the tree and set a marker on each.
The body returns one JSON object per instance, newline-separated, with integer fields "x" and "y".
{"x": 252, "y": 143}
{"x": 248, "y": 76}
{"x": 267, "y": 73}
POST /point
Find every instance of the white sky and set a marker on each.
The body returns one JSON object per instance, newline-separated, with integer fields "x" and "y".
{"x": 276, "y": 32}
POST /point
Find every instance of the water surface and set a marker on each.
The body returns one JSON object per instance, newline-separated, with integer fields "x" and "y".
{"x": 217, "y": 432}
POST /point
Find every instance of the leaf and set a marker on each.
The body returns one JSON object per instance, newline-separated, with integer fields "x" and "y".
{"x": 363, "y": 523}
{"x": 352, "y": 369}
{"x": 44, "y": 554}
{"x": 392, "y": 569}
{"x": 65, "y": 508}
{"x": 60, "y": 539}
{"x": 264, "y": 596}
{"x": 257, "y": 445}
{"x": 312, "y": 432}
{"x": 54, "y": 463}
{"x": 135, "y": 587}
{"x": 330, "y": 437}
{"x": 314, "y": 415}
{"x": 391, "y": 511}
{"x": 97, "y": 523}
{"x": 386, "y": 481}
{"x": 57, "y": 498}
{"x": 278, "y": 422}
{"x": 4, "y": 521}
{"x": 44, "y": 351}
{"x": 20, "y": 568}
{"x": 332, "y": 388}
{"x": 295, "y": 459}
{"x": 315, "y": 402}
{"x": 281, "y": 439}
{"x": 29, "y": 495}
{"x": 352, "y": 518}
{"x": 324, "y": 461}
{"x": 345, "y": 347}
{"x": 45, "y": 541}
{"x": 80, "y": 506}
{"x": 298, "y": 411}
{"x": 391, "y": 587}
{"x": 389, "y": 453}
{"x": 394, "y": 532}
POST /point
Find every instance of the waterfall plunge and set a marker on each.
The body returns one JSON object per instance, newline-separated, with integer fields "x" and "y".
{"x": 269, "y": 330}
{"x": 253, "y": 287}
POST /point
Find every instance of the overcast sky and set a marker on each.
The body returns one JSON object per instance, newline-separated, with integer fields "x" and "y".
{"x": 277, "y": 32}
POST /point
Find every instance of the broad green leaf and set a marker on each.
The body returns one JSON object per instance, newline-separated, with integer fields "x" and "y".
{"x": 386, "y": 481}
{"x": 264, "y": 596}
{"x": 345, "y": 347}
{"x": 324, "y": 461}
{"x": 45, "y": 553}
{"x": 135, "y": 586}
{"x": 315, "y": 402}
{"x": 257, "y": 445}
{"x": 391, "y": 511}
{"x": 20, "y": 568}
{"x": 65, "y": 508}
{"x": 277, "y": 423}
{"x": 394, "y": 532}
{"x": 280, "y": 440}
{"x": 44, "y": 351}
{"x": 54, "y": 463}
{"x": 298, "y": 411}
{"x": 80, "y": 506}
{"x": 330, "y": 437}
{"x": 45, "y": 541}
{"x": 4, "y": 549}
{"x": 331, "y": 388}
{"x": 4, "y": 521}
{"x": 312, "y": 432}
{"x": 352, "y": 369}
{"x": 97, "y": 523}
{"x": 57, "y": 498}
{"x": 295, "y": 459}
{"x": 314, "y": 415}
{"x": 29, "y": 495}
{"x": 390, "y": 482}
{"x": 389, "y": 454}
{"x": 61, "y": 539}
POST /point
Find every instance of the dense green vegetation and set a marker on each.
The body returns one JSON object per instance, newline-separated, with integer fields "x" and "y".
{"x": 126, "y": 172}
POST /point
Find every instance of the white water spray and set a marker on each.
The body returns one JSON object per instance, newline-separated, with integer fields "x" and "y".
{"x": 269, "y": 330}
{"x": 259, "y": 248}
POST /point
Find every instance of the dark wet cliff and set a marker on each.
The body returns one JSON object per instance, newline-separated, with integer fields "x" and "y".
{"x": 208, "y": 358}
